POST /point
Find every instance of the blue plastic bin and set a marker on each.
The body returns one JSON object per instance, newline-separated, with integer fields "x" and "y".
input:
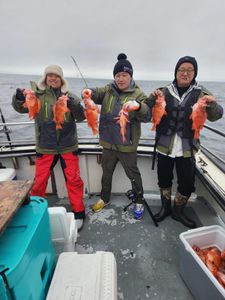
{"x": 27, "y": 253}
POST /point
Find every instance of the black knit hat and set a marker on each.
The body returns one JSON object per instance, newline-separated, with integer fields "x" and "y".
{"x": 123, "y": 65}
{"x": 187, "y": 59}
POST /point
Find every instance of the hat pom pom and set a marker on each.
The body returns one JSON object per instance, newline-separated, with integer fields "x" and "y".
{"x": 121, "y": 56}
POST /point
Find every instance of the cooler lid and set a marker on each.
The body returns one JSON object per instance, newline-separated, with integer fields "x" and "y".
{"x": 7, "y": 174}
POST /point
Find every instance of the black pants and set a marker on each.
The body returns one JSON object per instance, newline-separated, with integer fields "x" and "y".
{"x": 110, "y": 159}
{"x": 185, "y": 168}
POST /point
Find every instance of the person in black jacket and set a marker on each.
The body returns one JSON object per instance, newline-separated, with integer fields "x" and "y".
{"x": 175, "y": 138}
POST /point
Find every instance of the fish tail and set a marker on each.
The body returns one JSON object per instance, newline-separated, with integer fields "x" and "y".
{"x": 196, "y": 136}
{"x": 58, "y": 126}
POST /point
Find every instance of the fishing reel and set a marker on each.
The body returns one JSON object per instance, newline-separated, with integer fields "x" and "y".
{"x": 131, "y": 196}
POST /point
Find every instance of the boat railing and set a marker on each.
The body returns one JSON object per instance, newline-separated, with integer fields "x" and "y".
{"x": 214, "y": 130}
{"x": 12, "y": 143}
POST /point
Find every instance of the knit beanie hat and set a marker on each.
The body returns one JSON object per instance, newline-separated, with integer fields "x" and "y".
{"x": 187, "y": 59}
{"x": 123, "y": 65}
{"x": 53, "y": 69}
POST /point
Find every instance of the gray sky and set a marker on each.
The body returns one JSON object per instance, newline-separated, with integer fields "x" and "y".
{"x": 153, "y": 34}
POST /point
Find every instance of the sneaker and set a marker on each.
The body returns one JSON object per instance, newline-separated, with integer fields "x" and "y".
{"x": 99, "y": 205}
{"x": 80, "y": 223}
{"x": 138, "y": 211}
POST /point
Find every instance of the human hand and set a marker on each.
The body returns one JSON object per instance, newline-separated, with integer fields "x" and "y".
{"x": 131, "y": 105}
{"x": 70, "y": 103}
{"x": 19, "y": 95}
{"x": 86, "y": 93}
{"x": 157, "y": 93}
{"x": 208, "y": 98}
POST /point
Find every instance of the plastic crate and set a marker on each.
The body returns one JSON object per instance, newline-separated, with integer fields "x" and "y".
{"x": 63, "y": 229}
{"x": 200, "y": 281}
{"x": 27, "y": 257}
{"x": 84, "y": 277}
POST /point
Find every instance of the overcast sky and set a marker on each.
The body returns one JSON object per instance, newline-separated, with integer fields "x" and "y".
{"x": 153, "y": 34}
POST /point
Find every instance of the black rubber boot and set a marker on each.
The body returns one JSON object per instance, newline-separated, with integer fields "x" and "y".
{"x": 165, "y": 209}
{"x": 178, "y": 214}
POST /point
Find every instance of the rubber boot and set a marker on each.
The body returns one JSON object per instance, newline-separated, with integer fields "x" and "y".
{"x": 178, "y": 214}
{"x": 165, "y": 209}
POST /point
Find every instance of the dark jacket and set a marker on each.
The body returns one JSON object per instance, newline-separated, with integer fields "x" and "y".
{"x": 48, "y": 139}
{"x": 177, "y": 120}
{"x": 111, "y": 101}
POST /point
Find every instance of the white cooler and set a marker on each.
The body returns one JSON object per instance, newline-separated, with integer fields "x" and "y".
{"x": 63, "y": 229}
{"x": 84, "y": 277}
{"x": 201, "y": 282}
{"x": 7, "y": 174}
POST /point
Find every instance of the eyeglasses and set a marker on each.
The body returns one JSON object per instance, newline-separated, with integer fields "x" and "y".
{"x": 188, "y": 71}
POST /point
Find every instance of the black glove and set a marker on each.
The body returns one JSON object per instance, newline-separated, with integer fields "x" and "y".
{"x": 70, "y": 103}
{"x": 151, "y": 103}
{"x": 19, "y": 95}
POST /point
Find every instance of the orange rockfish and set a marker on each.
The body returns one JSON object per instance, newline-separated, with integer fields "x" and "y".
{"x": 122, "y": 121}
{"x": 158, "y": 110}
{"x": 32, "y": 103}
{"x": 198, "y": 116}
{"x": 59, "y": 110}
{"x": 91, "y": 113}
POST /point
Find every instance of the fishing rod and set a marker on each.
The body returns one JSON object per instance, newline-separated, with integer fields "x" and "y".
{"x": 75, "y": 63}
{"x": 5, "y": 129}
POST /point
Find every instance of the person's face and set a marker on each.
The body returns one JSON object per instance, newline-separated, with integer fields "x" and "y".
{"x": 53, "y": 80}
{"x": 185, "y": 74}
{"x": 123, "y": 80}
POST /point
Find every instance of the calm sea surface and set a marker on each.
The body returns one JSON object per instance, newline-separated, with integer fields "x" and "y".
{"x": 9, "y": 83}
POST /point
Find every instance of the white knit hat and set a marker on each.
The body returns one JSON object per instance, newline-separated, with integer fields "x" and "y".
{"x": 53, "y": 69}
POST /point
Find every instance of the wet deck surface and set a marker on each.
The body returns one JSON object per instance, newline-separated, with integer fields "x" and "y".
{"x": 147, "y": 256}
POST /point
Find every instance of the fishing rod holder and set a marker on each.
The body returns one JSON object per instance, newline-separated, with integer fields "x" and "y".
{"x": 6, "y": 130}
{"x": 131, "y": 196}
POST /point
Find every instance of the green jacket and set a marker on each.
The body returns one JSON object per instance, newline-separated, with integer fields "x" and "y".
{"x": 111, "y": 102}
{"x": 48, "y": 139}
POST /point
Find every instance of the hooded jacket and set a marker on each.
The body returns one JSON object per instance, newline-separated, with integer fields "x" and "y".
{"x": 48, "y": 139}
{"x": 111, "y": 101}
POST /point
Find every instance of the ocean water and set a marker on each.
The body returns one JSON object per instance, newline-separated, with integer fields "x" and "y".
{"x": 9, "y": 83}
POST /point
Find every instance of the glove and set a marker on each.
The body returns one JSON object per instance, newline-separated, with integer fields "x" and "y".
{"x": 70, "y": 103}
{"x": 86, "y": 93}
{"x": 19, "y": 95}
{"x": 131, "y": 105}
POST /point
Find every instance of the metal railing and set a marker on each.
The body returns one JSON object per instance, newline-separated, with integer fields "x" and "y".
{"x": 6, "y": 130}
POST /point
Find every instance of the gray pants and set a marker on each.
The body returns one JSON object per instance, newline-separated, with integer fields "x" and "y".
{"x": 110, "y": 159}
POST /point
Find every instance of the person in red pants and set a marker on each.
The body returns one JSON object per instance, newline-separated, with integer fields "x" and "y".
{"x": 54, "y": 144}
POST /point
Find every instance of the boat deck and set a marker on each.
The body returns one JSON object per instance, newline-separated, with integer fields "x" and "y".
{"x": 147, "y": 256}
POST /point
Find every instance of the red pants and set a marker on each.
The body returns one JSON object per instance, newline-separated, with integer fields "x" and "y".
{"x": 71, "y": 170}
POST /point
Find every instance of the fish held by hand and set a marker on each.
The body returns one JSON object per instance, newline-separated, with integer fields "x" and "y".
{"x": 198, "y": 116}
{"x": 158, "y": 110}
{"x": 32, "y": 103}
{"x": 91, "y": 114}
{"x": 59, "y": 110}
{"x": 122, "y": 120}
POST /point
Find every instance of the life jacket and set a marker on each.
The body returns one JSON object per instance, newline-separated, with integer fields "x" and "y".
{"x": 178, "y": 119}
